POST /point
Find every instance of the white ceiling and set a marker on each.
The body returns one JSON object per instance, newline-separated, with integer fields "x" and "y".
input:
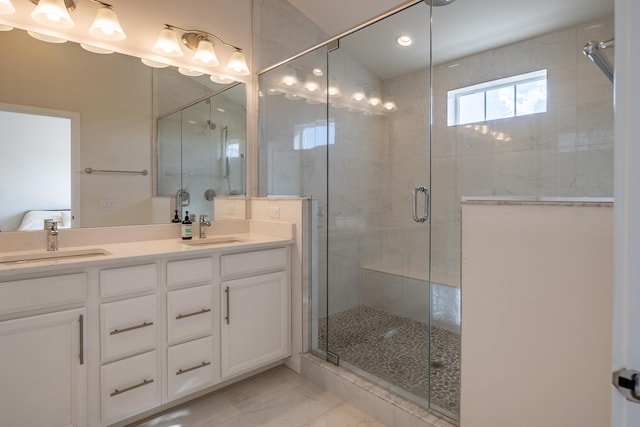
{"x": 459, "y": 29}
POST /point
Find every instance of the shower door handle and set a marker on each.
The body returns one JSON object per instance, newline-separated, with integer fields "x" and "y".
{"x": 427, "y": 203}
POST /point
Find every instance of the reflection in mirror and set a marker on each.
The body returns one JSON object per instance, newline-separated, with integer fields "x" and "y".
{"x": 113, "y": 102}
{"x": 201, "y": 155}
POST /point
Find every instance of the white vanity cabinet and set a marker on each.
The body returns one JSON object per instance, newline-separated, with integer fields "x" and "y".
{"x": 191, "y": 360}
{"x": 255, "y": 317}
{"x": 130, "y": 380}
{"x": 43, "y": 370}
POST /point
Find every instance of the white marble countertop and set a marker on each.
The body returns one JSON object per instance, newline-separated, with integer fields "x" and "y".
{"x": 118, "y": 252}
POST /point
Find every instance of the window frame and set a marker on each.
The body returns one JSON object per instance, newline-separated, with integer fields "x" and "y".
{"x": 454, "y": 96}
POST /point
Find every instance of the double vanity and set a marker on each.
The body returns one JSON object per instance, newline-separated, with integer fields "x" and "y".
{"x": 96, "y": 335}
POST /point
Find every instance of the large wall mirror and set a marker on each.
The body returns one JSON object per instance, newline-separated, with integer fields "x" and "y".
{"x": 65, "y": 111}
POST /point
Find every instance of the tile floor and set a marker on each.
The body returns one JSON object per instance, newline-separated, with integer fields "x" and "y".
{"x": 277, "y": 397}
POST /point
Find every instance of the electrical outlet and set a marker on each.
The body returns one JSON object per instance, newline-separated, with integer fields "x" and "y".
{"x": 274, "y": 211}
{"x": 110, "y": 204}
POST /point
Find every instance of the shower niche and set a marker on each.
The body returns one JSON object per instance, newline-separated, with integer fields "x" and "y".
{"x": 201, "y": 155}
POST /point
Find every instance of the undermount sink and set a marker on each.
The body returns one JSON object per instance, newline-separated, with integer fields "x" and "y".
{"x": 18, "y": 258}
{"x": 213, "y": 240}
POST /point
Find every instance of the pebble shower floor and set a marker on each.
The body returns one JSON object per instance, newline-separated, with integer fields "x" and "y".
{"x": 396, "y": 350}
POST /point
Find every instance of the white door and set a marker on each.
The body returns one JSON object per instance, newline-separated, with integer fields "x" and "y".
{"x": 42, "y": 371}
{"x": 626, "y": 343}
{"x": 255, "y": 322}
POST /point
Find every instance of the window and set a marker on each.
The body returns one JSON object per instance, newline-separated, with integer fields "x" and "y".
{"x": 498, "y": 99}
{"x": 308, "y": 136}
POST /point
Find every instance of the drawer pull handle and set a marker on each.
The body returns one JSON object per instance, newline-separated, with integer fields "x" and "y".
{"x": 124, "y": 390}
{"x": 184, "y": 371}
{"x": 195, "y": 313}
{"x": 228, "y": 316}
{"x": 81, "y": 355}
{"x": 130, "y": 328}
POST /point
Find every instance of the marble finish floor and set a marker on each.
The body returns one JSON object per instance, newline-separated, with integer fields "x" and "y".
{"x": 277, "y": 397}
{"x": 395, "y": 350}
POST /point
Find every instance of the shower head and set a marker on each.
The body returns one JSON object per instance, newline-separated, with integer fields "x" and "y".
{"x": 211, "y": 125}
{"x": 438, "y": 2}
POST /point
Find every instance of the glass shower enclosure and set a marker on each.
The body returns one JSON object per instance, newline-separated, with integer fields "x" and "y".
{"x": 386, "y": 135}
{"x": 201, "y": 151}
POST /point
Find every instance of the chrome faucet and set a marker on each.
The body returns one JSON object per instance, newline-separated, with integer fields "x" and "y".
{"x": 52, "y": 234}
{"x": 203, "y": 224}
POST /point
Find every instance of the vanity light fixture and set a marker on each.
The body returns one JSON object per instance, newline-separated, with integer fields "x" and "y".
{"x": 6, "y": 7}
{"x": 389, "y": 106}
{"x": 54, "y": 13}
{"x": 374, "y": 99}
{"x": 237, "y": 64}
{"x": 106, "y": 25}
{"x": 45, "y": 37}
{"x": 153, "y": 64}
{"x": 204, "y": 53}
{"x": 221, "y": 80}
{"x": 290, "y": 78}
{"x": 358, "y": 94}
{"x": 202, "y": 46}
{"x": 167, "y": 43}
{"x": 189, "y": 72}
{"x": 334, "y": 90}
{"x": 311, "y": 84}
{"x": 95, "y": 49}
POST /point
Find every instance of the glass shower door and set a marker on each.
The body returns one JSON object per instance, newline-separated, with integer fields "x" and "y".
{"x": 378, "y": 206}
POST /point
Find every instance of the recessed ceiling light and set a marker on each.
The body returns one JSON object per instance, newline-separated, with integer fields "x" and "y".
{"x": 317, "y": 72}
{"x": 404, "y": 41}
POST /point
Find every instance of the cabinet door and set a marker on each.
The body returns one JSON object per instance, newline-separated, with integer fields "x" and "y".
{"x": 42, "y": 371}
{"x": 255, "y": 322}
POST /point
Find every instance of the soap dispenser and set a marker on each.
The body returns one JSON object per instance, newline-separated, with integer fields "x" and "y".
{"x": 176, "y": 218}
{"x": 187, "y": 227}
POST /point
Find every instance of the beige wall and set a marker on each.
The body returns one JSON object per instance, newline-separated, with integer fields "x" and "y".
{"x": 112, "y": 93}
{"x": 536, "y": 314}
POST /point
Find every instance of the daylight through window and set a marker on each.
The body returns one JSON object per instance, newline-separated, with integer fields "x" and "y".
{"x": 514, "y": 96}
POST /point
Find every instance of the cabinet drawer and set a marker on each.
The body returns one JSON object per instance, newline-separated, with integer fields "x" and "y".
{"x": 190, "y": 367}
{"x": 127, "y": 327}
{"x": 250, "y": 263}
{"x": 127, "y": 280}
{"x": 189, "y": 313}
{"x": 189, "y": 271}
{"x": 34, "y": 294}
{"x": 129, "y": 387}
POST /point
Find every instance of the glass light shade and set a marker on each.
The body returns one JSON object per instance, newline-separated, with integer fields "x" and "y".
{"x": 311, "y": 84}
{"x": 167, "y": 44}
{"x": 389, "y": 106}
{"x": 221, "y": 80}
{"x": 52, "y": 13}
{"x": 334, "y": 90}
{"x": 6, "y": 7}
{"x": 153, "y": 64}
{"x": 96, "y": 49}
{"x": 189, "y": 72}
{"x": 290, "y": 78}
{"x": 237, "y": 64}
{"x": 374, "y": 99}
{"x": 358, "y": 94}
{"x": 46, "y": 38}
{"x": 5, "y": 27}
{"x": 106, "y": 25}
{"x": 205, "y": 54}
